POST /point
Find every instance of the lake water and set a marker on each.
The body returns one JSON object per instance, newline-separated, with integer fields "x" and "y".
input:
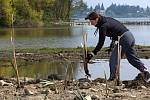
{"x": 58, "y": 37}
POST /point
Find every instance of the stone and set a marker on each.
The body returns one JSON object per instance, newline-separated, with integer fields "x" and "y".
{"x": 88, "y": 97}
{"x": 95, "y": 97}
{"x": 84, "y": 85}
{"x": 93, "y": 90}
{"x": 28, "y": 92}
{"x": 3, "y": 83}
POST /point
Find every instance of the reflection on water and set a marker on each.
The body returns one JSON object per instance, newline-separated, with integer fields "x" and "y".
{"x": 43, "y": 69}
{"x": 40, "y": 69}
{"x": 57, "y": 37}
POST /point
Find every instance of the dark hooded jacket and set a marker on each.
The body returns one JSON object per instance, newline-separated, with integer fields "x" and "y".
{"x": 108, "y": 27}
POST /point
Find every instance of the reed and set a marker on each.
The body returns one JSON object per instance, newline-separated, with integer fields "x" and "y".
{"x": 68, "y": 75}
{"x": 85, "y": 53}
{"x": 13, "y": 47}
{"x": 106, "y": 89}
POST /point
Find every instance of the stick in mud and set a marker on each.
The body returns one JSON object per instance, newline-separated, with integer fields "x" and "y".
{"x": 118, "y": 62}
{"x": 106, "y": 85}
{"x": 13, "y": 46}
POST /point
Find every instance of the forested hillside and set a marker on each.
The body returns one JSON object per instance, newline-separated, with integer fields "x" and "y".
{"x": 127, "y": 11}
{"x": 33, "y": 13}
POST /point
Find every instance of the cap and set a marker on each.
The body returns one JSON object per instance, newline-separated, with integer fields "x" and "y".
{"x": 92, "y": 16}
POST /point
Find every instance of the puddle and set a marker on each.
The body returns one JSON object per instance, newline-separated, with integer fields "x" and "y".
{"x": 127, "y": 71}
{"x": 43, "y": 69}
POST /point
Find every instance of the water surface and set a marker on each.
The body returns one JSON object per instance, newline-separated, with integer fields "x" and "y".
{"x": 64, "y": 37}
{"x": 43, "y": 69}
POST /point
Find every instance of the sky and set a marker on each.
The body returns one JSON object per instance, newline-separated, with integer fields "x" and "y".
{"x": 107, "y": 3}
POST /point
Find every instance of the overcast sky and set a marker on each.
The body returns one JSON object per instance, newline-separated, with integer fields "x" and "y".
{"x": 107, "y": 3}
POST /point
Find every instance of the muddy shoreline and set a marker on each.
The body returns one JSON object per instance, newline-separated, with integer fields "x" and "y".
{"x": 70, "y": 54}
{"x": 68, "y": 89}
{"x": 98, "y": 89}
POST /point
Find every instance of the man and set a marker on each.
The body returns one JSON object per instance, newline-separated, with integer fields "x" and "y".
{"x": 112, "y": 28}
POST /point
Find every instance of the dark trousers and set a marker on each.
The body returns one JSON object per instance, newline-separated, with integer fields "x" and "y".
{"x": 127, "y": 42}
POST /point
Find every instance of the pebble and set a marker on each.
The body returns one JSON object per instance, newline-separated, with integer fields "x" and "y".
{"x": 133, "y": 96}
{"x": 103, "y": 84}
{"x": 95, "y": 97}
{"x": 84, "y": 85}
{"x": 93, "y": 90}
{"x": 3, "y": 83}
{"x": 28, "y": 92}
{"x": 143, "y": 87}
{"x": 88, "y": 97}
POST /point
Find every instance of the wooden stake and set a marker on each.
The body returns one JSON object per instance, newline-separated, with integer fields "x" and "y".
{"x": 118, "y": 63}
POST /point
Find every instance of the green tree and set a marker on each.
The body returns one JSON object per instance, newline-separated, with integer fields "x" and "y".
{"x": 30, "y": 13}
{"x": 5, "y": 13}
{"x": 26, "y": 15}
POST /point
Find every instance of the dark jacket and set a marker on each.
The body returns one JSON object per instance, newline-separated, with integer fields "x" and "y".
{"x": 108, "y": 27}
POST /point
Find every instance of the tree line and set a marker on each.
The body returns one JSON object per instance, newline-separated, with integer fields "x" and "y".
{"x": 33, "y": 13}
{"x": 123, "y": 11}
{"x": 127, "y": 11}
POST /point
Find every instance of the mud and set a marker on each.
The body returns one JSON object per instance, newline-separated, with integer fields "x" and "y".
{"x": 98, "y": 89}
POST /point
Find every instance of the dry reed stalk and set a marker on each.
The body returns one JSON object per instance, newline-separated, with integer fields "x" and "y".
{"x": 106, "y": 84}
{"x": 85, "y": 54}
{"x": 13, "y": 47}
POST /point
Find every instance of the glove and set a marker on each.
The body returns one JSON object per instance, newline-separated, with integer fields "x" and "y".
{"x": 89, "y": 56}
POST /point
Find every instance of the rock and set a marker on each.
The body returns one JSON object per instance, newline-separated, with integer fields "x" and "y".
{"x": 125, "y": 89}
{"x": 116, "y": 89}
{"x": 84, "y": 85}
{"x": 84, "y": 80}
{"x": 100, "y": 80}
{"x": 28, "y": 92}
{"x": 54, "y": 77}
{"x": 84, "y": 94}
{"x": 147, "y": 97}
{"x": 46, "y": 83}
{"x": 103, "y": 84}
{"x": 119, "y": 95}
{"x": 133, "y": 96}
{"x": 143, "y": 87}
{"x": 93, "y": 90}
{"x": 3, "y": 83}
{"x": 70, "y": 92}
{"x": 95, "y": 97}
{"x": 46, "y": 91}
{"x": 88, "y": 97}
